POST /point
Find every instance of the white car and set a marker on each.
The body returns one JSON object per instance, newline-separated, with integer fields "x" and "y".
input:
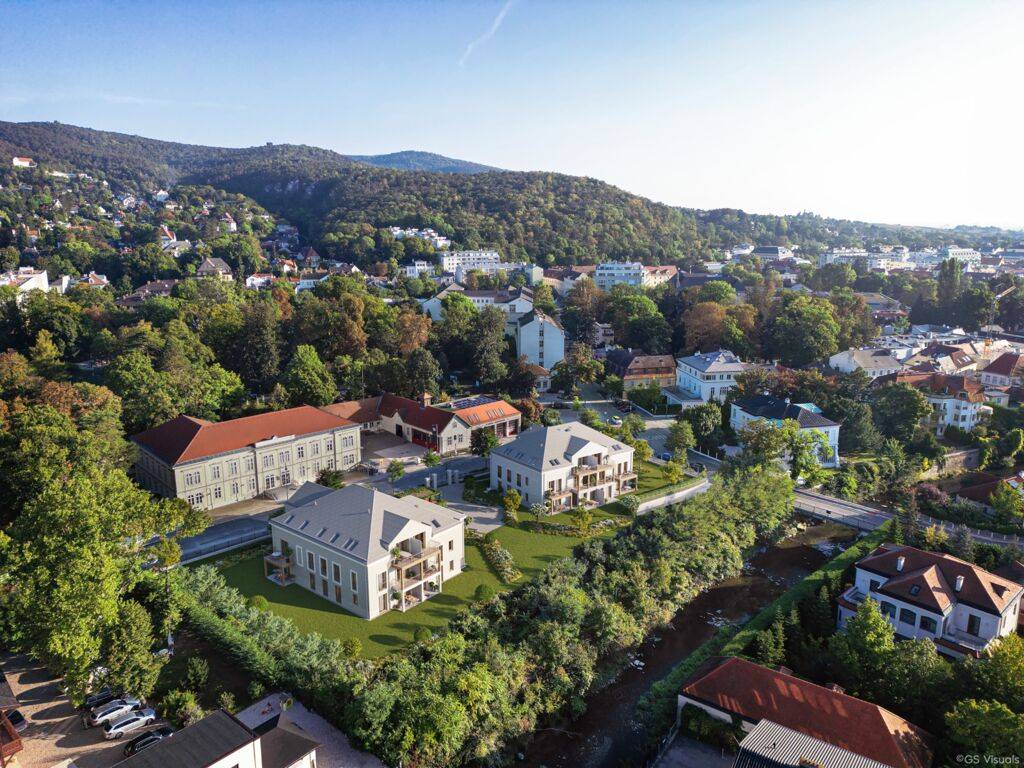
{"x": 111, "y": 711}
{"x": 131, "y": 722}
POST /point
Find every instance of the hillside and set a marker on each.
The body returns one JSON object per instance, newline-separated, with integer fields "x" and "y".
{"x": 339, "y": 201}
{"x": 423, "y": 161}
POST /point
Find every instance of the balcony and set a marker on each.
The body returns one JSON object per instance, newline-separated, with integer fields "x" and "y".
{"x": 277, "y": 567}
{"x": 583, "y": 470}
{"x": 408, "y": 559}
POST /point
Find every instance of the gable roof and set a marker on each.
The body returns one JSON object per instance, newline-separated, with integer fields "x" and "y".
{"x": 195, "y": 746}
{"x": 756, "y": 693}
{"x": 360, "y": 522}
{"x": 625, "y": 362}
{"x": 1007, "y": 364}
{"x": 544, "y": 448}
{"x": 768, "y": 407}
{"x": 536, "y": 314}
{"x": 186, "y": 438}
{"x": 475, "y": 413}
{"x": 940, "y": 384}
{"x": 213, "y": 264}
{"x": 771, "y": 745}
{"x": 935, "y": 574}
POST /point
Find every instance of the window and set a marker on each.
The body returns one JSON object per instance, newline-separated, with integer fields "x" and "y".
{"x": 268, "y": 461}
{"x": 927, "y": 624}
{"x": 286, "y": 477}
{"x": 301, "y": 452}
{"x": 216, "y": 492}
{"x": 192, "y": 478}
{"x": 298, "y": 555}
{"x": 310, "y": 561}
{"x": 973, "y": 625}
{"x": 382, "y": 581}
{"x": 336, "y": 572}
{"x": 316, "y": 448}
{"x": 330, "y": 443}
{"x": 451, "y": 544}
{"x": 269, "y": 481}
{"x": 888, "y": 609}
{"x": 337, "y": 593}
{"x": 383, "y": 603}
{"x": 519, "y": 479}
{"x": 451, "y": 566}
{"x": 875, "y": 584}
{"x": 907, "y": 616}
{"x": 355, "y": 598}
{"x": 233, "y": 468}
{"x": 323, "y": 587}
{"x": 215, "y": 471}
{"x": 323, "y": 566}
{"x": 234, "y": 489}
{"x": 250, "y": 464}
{"x": 252, "y": 483}
{"x": 508, "y": 475}
{"x": 354, "y": 580}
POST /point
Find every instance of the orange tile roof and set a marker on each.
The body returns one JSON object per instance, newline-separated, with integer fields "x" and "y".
{"x": 486, "y": 413}
{"x": 755, "y": 693}
{"x": 186, "y": 438}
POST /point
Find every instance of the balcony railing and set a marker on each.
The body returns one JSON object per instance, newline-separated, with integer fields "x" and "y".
{"x": 584, "y": 469}
{"x": 408, "y": 559}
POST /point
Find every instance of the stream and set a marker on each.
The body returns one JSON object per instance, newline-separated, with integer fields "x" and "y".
{"x": 606, "y": 735}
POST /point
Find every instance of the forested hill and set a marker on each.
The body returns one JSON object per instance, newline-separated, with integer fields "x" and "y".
{"x": 423, "y": 161}
{"x": 341, "y": 203}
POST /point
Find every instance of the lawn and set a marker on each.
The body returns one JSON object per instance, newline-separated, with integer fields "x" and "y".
{"x": 533, "y": 552}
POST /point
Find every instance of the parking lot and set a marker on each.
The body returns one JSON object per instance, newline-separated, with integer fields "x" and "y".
{"x": 56, "y": 734}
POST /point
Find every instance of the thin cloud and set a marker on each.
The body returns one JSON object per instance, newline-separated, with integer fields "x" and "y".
{"x": 114, "y": 99}
{"x": 491, "y": 31}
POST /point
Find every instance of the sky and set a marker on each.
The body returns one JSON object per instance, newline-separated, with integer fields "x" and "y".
{"x": 902, "y": 111}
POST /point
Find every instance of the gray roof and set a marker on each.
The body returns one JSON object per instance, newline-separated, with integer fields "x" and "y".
{"x": 214, "y": 264}
{"x": 874, "y": 358}
{"x": 536, "y": 314}
{"x": 283, "y": 746}
{"x": 197, "y": 746}
{"x": 362, "y": 523}
{"x": 543, "y": 448}
{"x": 714, "y": 362}
{"x": 768, "y": 407}
{"x": 771, "y": 745}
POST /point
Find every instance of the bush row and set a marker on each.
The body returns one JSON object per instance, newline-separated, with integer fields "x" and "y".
{"x": 500, "y": 559}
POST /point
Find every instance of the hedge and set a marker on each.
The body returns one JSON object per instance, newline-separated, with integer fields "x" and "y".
{"x": 500, "y": 559}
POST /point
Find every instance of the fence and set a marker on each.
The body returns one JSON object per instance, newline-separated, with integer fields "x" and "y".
{"x": 205, "y": 545}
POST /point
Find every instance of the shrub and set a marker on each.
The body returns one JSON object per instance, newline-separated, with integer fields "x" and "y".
{"x": 352, "y": 646}
{"x": 259, "y": 603}
{"x": 500, "y": 559}
{"x": 630, "y": 503}
{"x": 181, "y": 708}
{"x": 483, "y": 593}
{"x": 422, "y": 635}
{"x": 197, "y": 672}
{"x": 431, "y": 459}
{"x": 226, "y": 701}
{"x": 256, "y": 690}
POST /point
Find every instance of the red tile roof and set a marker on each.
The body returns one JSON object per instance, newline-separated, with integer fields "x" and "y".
{"x": 981, "y": 589}
{"x": 186, "y": 438}
{"x": 424, "y": 417}
{"x": 754, "y": 693}
{"x": 1005, "y": 365}
{"x": 486, "y": 413}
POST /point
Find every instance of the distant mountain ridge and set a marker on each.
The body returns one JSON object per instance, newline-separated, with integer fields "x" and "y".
{"x": 412, "y": 160}
{"x": 340, "y": 203}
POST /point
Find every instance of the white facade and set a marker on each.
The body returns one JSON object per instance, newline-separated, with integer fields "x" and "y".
{"x": 873, "y": 362}
{"x": 739, "y": 418}
{"x": 612, "y": 273}
{"x": 955, "y": 410}
{"x": 541, "y": 339}
{"x": 709, "y": 375}
{"x": 452, "y": 260}
{"x": 419, "y": 268}
{"x": 565, "y": 465}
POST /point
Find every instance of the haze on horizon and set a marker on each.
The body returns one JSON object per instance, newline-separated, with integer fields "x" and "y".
{"x": 889, "y": 112}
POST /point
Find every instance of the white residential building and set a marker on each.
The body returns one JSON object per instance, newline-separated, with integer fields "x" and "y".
{"x": 874, "y": 362}
{"x": 365, "y": 550}
{"x": 611, "y": 273}
{"x": 514, "y": 302}
{"x": 25, "y": 280}
{"x": 419, "y": 268}
{"x": 540, "y": 338}
{"x": 211, "y": 464}
{"x": 565, "y": 465}
{"x": 23, "y": 162}
{"x": 774, "y": 410}
{"x": 955, "y": 400}
{"x": 220, "y": 740}
{"x": 961, "y": 607}
{"x": 453, "y": 260}
{"x": 967, "y": 255}
{"x": 705, "y": 376}
{"x": 1005, "y": 371}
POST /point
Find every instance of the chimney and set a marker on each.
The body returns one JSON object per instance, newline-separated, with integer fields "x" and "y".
{"x": 900, "y": 562}
{"x": 959, "y": 584}
{"x": 425, "y": 399}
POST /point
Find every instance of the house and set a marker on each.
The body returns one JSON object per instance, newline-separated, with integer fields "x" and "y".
{"x": 220, "y": 740}
{"x": 735, "y": 690}
{"x": 705, "y": 376}
{"x": 214, "y": 267}
{"x": 770, "y": 745}
{"x": 563, "y": 278}
{"x": 964, "y": 609}
{"x": 772, "y": 252}
{"x": 161, "y": 195}
{"x": 943, "y": 358}
{"x": 23, "y": 162}
{"x": 485, "y": 261}
{"x": 638, "y": 370}
{"x": 807, "y": 415}
{"x": 434, "y": 305}
{"x": 543, "y": 377}
{"x": 229, "y": 222}
{"x": 659, "y": 275}
{"x": 955, "y": 400}
{"x": 566, "y": 465}
{"x": 419, "y": 268}
{"x": 446, "y": 428}
{"x": 1005, "y": 371}
{"x": 514, "y": 302}
{"x": 259, "y": 280}
{"x": 154, "y": 288}
{"x": 210, "y": 464}
{"x": 309, "y": 257}
{"x": 10, "y": 739}
{"x": 365, "y": 550}
{"x": 25, "y": 280}
{"x": 874, "y": 362}
{"x": 604, "y": 335}
{"x": 92, "y": 280}
{"x": 540, "y": 339}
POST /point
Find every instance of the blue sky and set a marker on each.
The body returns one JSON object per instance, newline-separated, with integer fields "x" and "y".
{"x": 905, "y": 112}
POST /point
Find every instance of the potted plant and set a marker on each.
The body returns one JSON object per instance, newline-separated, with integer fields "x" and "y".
{"x": 396, "y": 553}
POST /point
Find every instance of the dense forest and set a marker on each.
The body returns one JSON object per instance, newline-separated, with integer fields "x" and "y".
{"x": 547, "y": 217}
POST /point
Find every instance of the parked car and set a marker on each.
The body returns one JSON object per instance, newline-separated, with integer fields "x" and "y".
{"x": 98, "y": 699}
{"x": 15, "y": 718}
{"x": 148, "y": 739}
{"x": 130, "y": 722}
{"x": 697, "y": 467}
{"x": 111, "y": 711}
{"x": 665, "y": 456}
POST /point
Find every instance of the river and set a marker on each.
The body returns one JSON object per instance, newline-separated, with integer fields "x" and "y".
{"x": 606, "y": 735}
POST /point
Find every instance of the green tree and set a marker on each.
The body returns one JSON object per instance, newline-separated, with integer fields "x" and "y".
{"x": 803, "y": 331}
{"x": 898, "y": 410}
{"x": 482, "y": 442}
{"x": 717, "y": 291}
{"x": 680, "y": 437}
{"x": 396, "y": 470}
{"x": 985, "y": 728}
{"x": 582, "y": 518}
{"x": 630, "y": 503}
{"x": 577, "y": 367}
{"x": 307, "y": 380}
{"x": 45, "y": 357}
{"x": 1007, "y": 504}
{"x": 864, "y": 649}
{"x": 431, "y": 459}
{"x": 512, "y": 502}
{"x": 705, "y": 420}
{"x": 131, "y": 664}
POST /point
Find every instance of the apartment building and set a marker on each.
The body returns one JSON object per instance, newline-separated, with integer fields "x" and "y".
{"x": 706, "y": 376}
{"x": 612, "y": 273}
{"x": 220, "y": 740}
{"x": 540, "y": 338}
{"x": 955, "y": 400}
{"x": 211, "y": 464}
{"x": 964, "y": 609}
{"x": 365, "y": 550}
{"x": 25, "y": 280}
{"x": 1005, "y": 371}
{"x": 774, "y": 410}
{"x": 873, "y": 362}
{"x": 565, "y": 465}
{"x": 482, "y": 260}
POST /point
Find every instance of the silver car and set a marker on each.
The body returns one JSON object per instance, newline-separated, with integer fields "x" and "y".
{"x": 111, "y": 711}
{"x": 130, "y": 722}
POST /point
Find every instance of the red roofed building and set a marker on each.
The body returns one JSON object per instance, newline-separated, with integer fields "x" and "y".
{"x": 728, "y": 688}
{"x": 1005, "y": 371}
{"x": 210, "y": 464}
{"x": 446, "y": 428}
{"x": 955, "y": 400}
{"x": 956, "y": 604}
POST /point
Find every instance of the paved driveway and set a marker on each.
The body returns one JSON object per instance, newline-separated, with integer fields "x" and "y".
{"x": 688, "y": 753}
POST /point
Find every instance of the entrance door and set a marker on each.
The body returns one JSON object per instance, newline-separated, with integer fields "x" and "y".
{"x": 398, "y": 430}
